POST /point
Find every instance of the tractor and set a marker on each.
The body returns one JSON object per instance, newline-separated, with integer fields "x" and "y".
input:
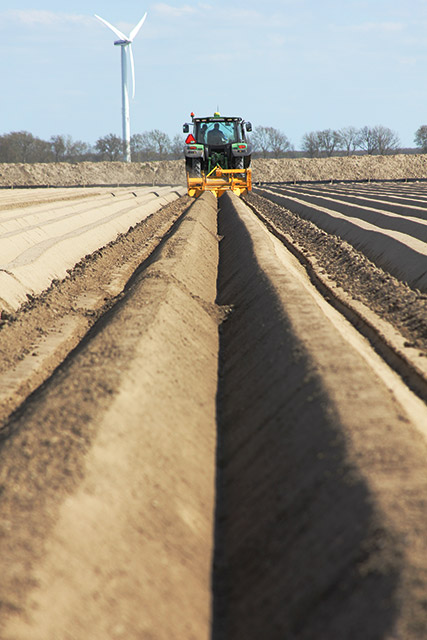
{"x": 217, "y": 155}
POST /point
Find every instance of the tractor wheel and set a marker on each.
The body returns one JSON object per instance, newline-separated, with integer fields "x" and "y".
{"x": 238, "y": 163}
{"x": 247, "y": 161}
{"x": 197, "y": 168}
{"x": 193, "y": 167}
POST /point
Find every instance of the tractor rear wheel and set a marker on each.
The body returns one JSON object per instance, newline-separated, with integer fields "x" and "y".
{"x": 238, "y": 163}
{"x": 193, "y": 167}
{"x": 197, "y": 168}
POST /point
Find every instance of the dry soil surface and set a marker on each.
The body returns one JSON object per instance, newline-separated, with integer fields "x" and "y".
{"x": 398, "y": 167}
{"x": 317, "y": 496}
{"x": 107, "y": 473}
{"x": 393, "y": 300}
{"x": 37, "y": 338}
{"x": 107, "y": 481}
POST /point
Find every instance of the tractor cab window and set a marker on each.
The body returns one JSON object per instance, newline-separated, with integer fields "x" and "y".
{"x": 218, "y": 133}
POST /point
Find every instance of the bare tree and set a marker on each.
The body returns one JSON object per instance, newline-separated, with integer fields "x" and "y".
{"x": 420, "y": 138}
{"x": 311, "y": 144}
{"x": 261, "y": 140}
{"x": 143, "y": 147}
{"x": 279, "y": 143}
{"x": 59, "y": 147}
{"x": 40, "y": 152}
{"x": 150, "y": 145}
{"x": 270, "y": 141}
{"x": 136, "y": 147}
{"x": 162, "y": 143}
{"x": 368, "y": 140}
{"x": 177, "y": 145}
{"x": 349, "y": 139}
{"x": 328, "y": 141}
{"x": 387, "y": 141}
{"x": 77, "y": 150}
{"x": 317, "y": 143}
{"x": 110, "y": 146}
{"x": 378, "y": 139}
{"x": 22, "y": 146}
{"x": 65, "y": 149}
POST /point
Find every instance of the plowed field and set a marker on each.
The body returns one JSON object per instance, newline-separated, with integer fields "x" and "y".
{"x": 216, "y": 426}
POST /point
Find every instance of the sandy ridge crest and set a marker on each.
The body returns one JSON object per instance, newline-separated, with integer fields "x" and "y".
{"x": 396, "y": 167}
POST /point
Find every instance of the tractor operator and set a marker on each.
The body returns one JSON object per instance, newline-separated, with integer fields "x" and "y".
{"x": 216, "y": 136}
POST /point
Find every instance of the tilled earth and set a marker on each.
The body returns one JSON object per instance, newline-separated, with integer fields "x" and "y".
{"x": 73, "y": 305}
{"x": 47, "y": 443}
{"x": 396, "y": 167}
{"x": 107, "y": 518}
{"x": 403, "y": 307}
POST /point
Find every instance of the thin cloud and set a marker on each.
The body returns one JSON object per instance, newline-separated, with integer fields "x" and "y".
{"x": 35, "y": 17}
{"x": 407, "y": 61}
{"x": 217, "y": 58}
{"x": 177, "y": 12}
{"x": 201, "y": 14}
{"x": 378, "y": 27}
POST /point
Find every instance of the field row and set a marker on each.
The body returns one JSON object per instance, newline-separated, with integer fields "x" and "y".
{"x": 220, "y": 454}
{"x": 388, "y": 223}
{"x": 44, "y": 233}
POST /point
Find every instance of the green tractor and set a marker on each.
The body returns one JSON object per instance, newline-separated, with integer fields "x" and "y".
{"x": 217, "y": 145}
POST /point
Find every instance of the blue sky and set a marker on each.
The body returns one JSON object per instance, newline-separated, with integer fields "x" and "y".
{"x": 297, "y": 65}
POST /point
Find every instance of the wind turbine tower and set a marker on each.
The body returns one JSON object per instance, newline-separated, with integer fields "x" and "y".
{"x": 126, "y": 47}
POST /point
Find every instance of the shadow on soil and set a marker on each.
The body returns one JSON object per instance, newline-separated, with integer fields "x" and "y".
{"x": 301, "y": 553}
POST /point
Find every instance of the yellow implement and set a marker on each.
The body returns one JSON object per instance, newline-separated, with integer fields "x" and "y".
{"x": 219, "y": 181}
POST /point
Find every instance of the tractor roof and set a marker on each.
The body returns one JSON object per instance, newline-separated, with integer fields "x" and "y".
{"x": 218, "y": 118}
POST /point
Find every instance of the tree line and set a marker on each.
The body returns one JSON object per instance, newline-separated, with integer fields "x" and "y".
{"x": 328, "y": 142}
{"x": 22, "y": 146}
{"x": 268, "y": 142}
{"x": 377, "y": 140}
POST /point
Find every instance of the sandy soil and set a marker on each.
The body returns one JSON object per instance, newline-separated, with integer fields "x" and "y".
{"x": 107, "y": 475}
{"x": 389, "y": 298}
{"x": 92, "y": 173}
{"x": 34, "y": 341}
{"x": 106, "y": 481}
{"x": 398, "y": 167}
{"x": 173, "y": 172}
{"x": 321, "y": 469}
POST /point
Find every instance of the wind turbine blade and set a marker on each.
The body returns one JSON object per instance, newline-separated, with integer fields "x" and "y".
{"x": 132, "y": 67}
{"x": 118, "y": 33}
{"x": 137, "y": 28}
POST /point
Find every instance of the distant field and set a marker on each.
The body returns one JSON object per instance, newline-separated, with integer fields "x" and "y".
{"x": 397, "y": 167}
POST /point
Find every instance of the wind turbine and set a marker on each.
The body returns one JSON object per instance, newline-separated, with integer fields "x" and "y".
{"x": 126, "y": 43}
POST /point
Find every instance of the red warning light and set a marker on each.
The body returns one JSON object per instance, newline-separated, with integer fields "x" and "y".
{"x": 192, "y": 114}
{"x": 189, "y": 139}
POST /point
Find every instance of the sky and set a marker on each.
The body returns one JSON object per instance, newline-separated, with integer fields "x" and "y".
{"x": 296, "y": 65}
